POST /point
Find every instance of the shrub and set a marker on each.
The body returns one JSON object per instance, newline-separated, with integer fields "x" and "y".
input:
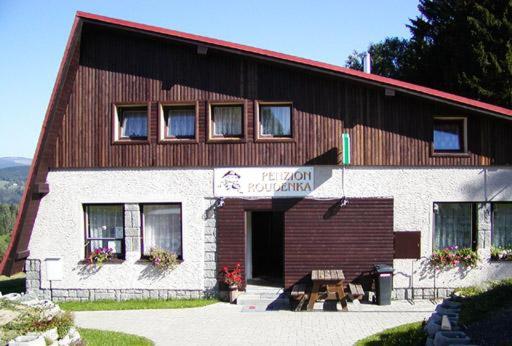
{"x": 163, "y": 259}
{"x": 33, "y": 321}
{"x": 479, "y": 301}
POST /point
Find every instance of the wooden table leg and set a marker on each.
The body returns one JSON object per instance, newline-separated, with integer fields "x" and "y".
{"x": 314, "y": 295}
{"x": 342, "y": 297}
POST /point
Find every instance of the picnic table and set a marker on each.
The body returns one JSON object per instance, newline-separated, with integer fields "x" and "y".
{"x": 332, "y": 280}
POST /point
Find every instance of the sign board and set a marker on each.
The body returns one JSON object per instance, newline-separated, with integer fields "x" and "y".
{"x": 54, "y": 269}
{"x": 264, "y": 182}
{"x": 345, "y": 141}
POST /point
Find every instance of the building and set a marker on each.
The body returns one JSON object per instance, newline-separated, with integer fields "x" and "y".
{"x": 225, "y": 154}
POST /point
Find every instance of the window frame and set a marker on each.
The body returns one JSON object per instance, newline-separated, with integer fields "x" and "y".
{"x": 474, "y": 222}
{"x": 143, "y": 224}
{"x": 259, "y": 137}
{"x": 464, "y": 138}
{"x": 162, "y": 121}
{"x": 116, "y": 122}
{"x": 210, "y": 123}
{"x": 87, "y": 250}
{"x": 492, "y": 217}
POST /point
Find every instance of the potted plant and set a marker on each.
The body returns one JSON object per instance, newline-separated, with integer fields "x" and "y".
{"x": 100, "y": 255}
{"x": 232, "y": 278}
{"x": 163, "y": 259}
{"x": 452, "y": 257}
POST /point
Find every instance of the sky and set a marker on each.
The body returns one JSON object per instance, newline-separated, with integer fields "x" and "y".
{"x": 33, "y": 36}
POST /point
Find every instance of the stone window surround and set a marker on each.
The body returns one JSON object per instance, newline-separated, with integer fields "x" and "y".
{"x": 483, "y": 224}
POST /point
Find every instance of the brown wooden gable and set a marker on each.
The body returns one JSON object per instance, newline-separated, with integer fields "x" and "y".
{"x": 123, "y": 67}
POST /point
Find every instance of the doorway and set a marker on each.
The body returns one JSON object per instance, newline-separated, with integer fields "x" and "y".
{"x": 265, "y": 240}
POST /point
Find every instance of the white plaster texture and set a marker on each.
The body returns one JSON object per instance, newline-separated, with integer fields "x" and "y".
{"x": 59, "y": 227}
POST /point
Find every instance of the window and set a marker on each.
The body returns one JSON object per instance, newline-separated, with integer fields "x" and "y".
{"x": 450, "y": 135}
{"x": 105, "y": 228}
{"x": 502, "y": 225}
{"x": 453, "y": 225}
{"x": 275, "y": 120}
{"x": 162, "y": 227}
{"x": 227, "y": 121}
{"x": 131, "y": 123}
{"x": 179, "y": 122}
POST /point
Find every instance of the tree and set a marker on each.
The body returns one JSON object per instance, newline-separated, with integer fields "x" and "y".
{"x": 390, "y": 58}
{"x": 461, "y": 46}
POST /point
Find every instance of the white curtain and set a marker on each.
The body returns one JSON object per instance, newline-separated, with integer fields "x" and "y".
{"x": 227, "y": 120}
{"x": 275, "y": 120}
{"x": 453, "y": 225}
{"x": 162, "y": 228}
{"x": 181, "y": 123}
{"x": 135, "y": 124}
{"x": 106, "y": 221}
{"x": 502, "y": 225}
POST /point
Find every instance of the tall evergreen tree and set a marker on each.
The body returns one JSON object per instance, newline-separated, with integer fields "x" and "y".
{"x": 461, "y": 46}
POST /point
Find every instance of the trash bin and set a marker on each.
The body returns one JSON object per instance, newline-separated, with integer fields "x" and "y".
{"x": 383, "y": 283}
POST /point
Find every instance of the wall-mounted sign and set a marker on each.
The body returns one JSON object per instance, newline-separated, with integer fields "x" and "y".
{"x": 264, "y": 182}
{"x": 54, "y": 269}
{"x": 345, "y": 140}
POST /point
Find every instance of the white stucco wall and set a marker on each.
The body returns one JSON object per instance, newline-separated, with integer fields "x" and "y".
{"x": 59, "y": 227}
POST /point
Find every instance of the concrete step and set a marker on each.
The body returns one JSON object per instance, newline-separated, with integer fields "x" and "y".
{"x": 253, "y": 289}
{"x": 269, "y": 302}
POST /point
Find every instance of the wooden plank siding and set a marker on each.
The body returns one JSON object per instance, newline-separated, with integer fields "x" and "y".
{"x": 318, "y": 235}
{"x": 126, "y": 67}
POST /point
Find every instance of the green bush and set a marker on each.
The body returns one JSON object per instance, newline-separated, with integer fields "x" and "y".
{"x": 31, "y": 320}
{"x": 410, "y": 334}
{"x": 479, "y": 301}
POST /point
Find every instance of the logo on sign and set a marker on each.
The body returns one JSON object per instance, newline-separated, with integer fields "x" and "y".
{"x": 268, "y": 182}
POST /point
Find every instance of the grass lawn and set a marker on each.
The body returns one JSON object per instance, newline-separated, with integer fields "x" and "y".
{"x": 12, "y": 284}
{"x": 95, "y": 337}
{"x": 410, "y": 334}
{"x": 136, "y": 304}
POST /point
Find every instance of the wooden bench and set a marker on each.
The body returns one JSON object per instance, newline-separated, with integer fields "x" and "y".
{"x": 299, "y": 293}
{"x": 356, "y": 291}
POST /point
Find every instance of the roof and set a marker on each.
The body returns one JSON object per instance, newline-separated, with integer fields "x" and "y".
{"x": 286, "y": 58}
{"x": 17, "y": 250}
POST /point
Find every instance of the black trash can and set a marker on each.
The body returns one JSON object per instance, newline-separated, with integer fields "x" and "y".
{"x": 383, "y": 283}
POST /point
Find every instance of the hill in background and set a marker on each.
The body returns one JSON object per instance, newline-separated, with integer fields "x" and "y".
{"x": 14, "y": 162}
{"x": 12, "y": 183}
{"x": 13, "y": 174}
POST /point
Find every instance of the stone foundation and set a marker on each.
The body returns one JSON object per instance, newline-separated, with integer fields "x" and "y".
{"x": 420, "y": 293}
{"x": 33, "y": 285}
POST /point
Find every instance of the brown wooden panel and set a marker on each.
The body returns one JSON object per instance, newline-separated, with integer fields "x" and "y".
{"x": 407, "y": 244}
{"x": 117, "y": 66}
{"x": 318, "y": 235}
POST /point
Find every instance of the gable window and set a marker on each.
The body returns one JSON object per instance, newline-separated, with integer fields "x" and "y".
{"x": 502, "y": 225}
{"x": 179, "y": 122}
{"x": 105, "y": 228}
{"x": 162, "y": 228}
{"x": 450, "y": 135}
{"x": 227, "y": 121}
{"x": 131, "y": 123}
{"x": 453, "y": 225}
{"x": 275, "y": 120}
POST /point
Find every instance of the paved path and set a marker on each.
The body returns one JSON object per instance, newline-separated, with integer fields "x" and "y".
{"x": 225, "y": 324}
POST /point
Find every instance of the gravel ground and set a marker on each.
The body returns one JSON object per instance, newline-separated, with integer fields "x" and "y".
{"x": 494, "y": 330}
